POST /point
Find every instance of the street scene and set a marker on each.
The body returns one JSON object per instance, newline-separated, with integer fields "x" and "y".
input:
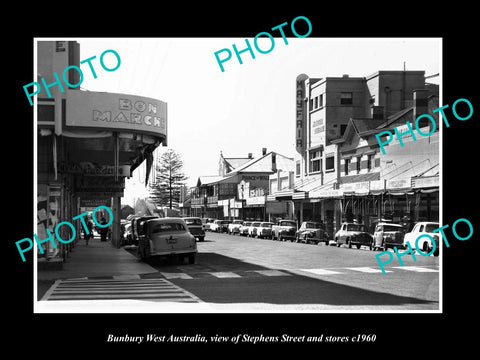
{"x": 238, "y": 273}
{"x": 331, "y": 203}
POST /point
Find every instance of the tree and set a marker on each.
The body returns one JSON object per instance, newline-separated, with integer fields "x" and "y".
{"x": 169, "y": 180}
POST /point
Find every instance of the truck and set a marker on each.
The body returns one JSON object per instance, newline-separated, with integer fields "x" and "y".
{"x": 284, "y": 230}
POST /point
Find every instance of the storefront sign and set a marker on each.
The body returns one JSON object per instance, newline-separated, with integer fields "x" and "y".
{"x": 377, "y": 185}
{"x": 116, "y": 112}
{"x": 256, "y": 200}
{"x": 89, "y": 169}
{"x": 94, "y": 202}
{"x": 360, "y": 188}
{"x": 99, "y": 193}
{"x": 425, "y": 182}
{"x": 235, "y": 204}
{"x": 252, "y": 178}
{"x": 300, "y": 118}
{"x": 398, "y": 184}
{"x": 326, "y": 193}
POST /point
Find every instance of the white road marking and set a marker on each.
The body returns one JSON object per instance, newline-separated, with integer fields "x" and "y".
{"x": 367, "y": 269}
{"x": 224, "y": 274}
{"x": 416, "y": 268}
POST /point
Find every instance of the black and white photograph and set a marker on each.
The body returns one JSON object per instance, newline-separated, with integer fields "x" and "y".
{"x": 303, "y": 188}
{"x": 265, "y": 185}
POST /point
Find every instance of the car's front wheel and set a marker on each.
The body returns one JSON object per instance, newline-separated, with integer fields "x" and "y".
{"x": 191, "y": 259}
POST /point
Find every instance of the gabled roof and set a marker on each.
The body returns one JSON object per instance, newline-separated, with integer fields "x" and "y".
{"x": 261, "y": 165}
{"x": 368, "y": 126}
{"x": 209, "y": 179}
{"x": 234, "y": 163}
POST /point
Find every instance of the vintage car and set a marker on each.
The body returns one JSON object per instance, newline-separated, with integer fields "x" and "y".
{"x": 253, "y": 228}
{"x": 167, "y": 237}
{"x": 284, "y": 230}
{"x": 195, "y": 227}
{"x": 234, "y": 227}
{"x": 206, "y": 223}
{"x": 387, "y": 235}
{"x": 137, "y": 227}
{"x": 215, "y": 225}
{"x": 353, "y": 234}
{"x": 264, "y": 230}
{"x": 424, "y": 243}
{"x": 224, "y": 225}
{"x": 243, "y": 230}
{"x": 311, "y": 232}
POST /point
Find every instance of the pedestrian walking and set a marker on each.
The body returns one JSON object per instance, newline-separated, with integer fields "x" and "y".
{"x": 90, "y": 230}
{"x": 89, "y": 235}
{"x": 103, "y": 230}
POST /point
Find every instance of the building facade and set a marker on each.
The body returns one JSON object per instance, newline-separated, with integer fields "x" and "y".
{"x": 87, "y": 144}
{"x": 340, "y": 173}
{"x": 241, "y": 192}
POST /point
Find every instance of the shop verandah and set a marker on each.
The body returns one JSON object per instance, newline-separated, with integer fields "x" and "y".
{"x": 404, "y": 208}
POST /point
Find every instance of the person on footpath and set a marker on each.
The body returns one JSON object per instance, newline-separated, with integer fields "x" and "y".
{"x": 90, "y": 231}
{"x": 103, "y": 230}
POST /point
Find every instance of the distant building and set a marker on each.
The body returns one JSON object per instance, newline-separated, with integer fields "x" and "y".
{"x": 241, "y": 191}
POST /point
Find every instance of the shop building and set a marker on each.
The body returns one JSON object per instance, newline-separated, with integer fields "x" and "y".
{"x": 340, "y": 173}
{"x": 87, "y": 143}
{"x": 241, "y": 192}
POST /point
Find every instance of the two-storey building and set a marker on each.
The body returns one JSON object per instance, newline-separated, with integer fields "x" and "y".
{"x": 339, "y": 169}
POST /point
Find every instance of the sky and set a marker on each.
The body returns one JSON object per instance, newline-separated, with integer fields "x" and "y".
{"x": 247, "y": 107}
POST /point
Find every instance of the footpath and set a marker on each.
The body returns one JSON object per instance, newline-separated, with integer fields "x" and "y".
{"x": 98, "y": 259}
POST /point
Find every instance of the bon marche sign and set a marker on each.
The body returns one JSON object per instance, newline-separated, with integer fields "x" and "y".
{"x": 116, "y": 111}
{"x": 89, "y": 169}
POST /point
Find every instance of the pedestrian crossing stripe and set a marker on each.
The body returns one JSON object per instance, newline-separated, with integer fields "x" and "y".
{"x": 223, "y": 274}
{"x": 116, "y": 289}
{"x": 289, "y": 272}
{"x": 416, "y": 268}
{"x": 320, "y": 271}
{"x": 367, "y": 269}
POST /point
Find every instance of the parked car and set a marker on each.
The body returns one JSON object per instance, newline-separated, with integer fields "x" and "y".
{"x": 224, "y": 225}
{"x": 167, "y": 237}
{"x": 243, "y": 230}
{"x": 311, "y": 231}
{"x": 388, "y": 235}
{"x": 425, "y": 243}
{"x": 206, "y": 223}
{"x": 215, "y": 225}
{"x": 284, "y": 230}
{"x": 265, "y": 230}
{"x": 195, "y": 227}
{"x": 353, "y": 234}
{"x": 253, "y": 228}
{"x": 219, "y": 225}
{"x": 137, "y": 227}
{"x": 234, "y": 227}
